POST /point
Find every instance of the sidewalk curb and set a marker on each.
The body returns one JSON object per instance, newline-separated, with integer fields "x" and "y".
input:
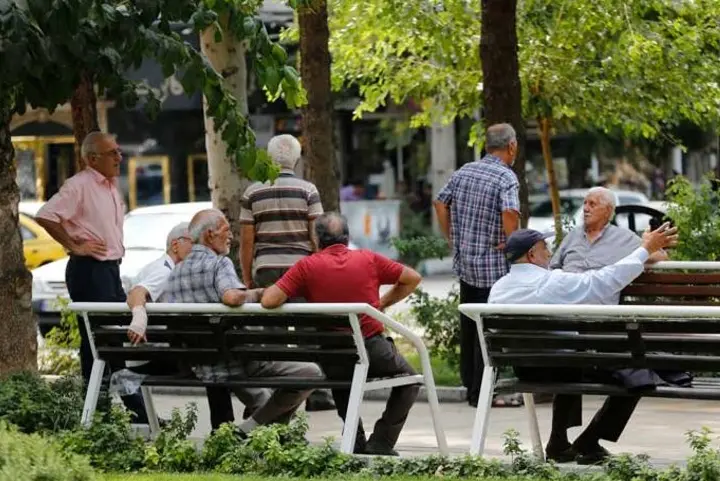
{"x": 445, "y": 394}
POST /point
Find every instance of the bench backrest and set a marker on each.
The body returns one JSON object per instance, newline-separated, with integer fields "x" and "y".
{"x": 211, "y": 338}
{"x": 674, "y": 288}
{"x": 601, "y": 340}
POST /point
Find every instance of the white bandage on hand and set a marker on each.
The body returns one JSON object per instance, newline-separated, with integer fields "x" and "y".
{"x": 139, "y": 320}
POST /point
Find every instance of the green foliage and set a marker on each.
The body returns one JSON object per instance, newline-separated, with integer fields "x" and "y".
{"x": 47, "y": 45}
{"x": 696, "y": 214}
{"x": 172, "y": 450}
{"x": 31, "y": 457}
{"x": 61, "y": 343}
{"x": 109, "y": 442}
{"x": 417, "y": 240}
{"x": 443, "y": 373}
{"x": 440, "y": 322}
{"x": 35, "y": 405}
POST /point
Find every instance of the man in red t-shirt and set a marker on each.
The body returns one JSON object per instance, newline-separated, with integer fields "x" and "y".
{"x": 337, "y": 274}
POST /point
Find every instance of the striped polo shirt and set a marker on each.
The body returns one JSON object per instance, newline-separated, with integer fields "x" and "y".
{"x": 280, "y": 213}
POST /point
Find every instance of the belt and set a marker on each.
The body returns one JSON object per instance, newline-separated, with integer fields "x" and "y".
{"x": 114, "y": 262}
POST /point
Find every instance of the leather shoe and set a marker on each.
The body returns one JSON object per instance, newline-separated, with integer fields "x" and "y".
{"x": 565, "y": 454}
{"x": 376, "y": 449}
{"x": 595, "y": 455}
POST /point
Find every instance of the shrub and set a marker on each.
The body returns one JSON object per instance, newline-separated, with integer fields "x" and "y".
{"x": 31, "y": 457}
{"x": 62, "y": 343}
{"x": 35, "y": 405}
{"x": 109, "y": 442}
{"x": 440, "y": 321}
{"x": 696, "y": 214}
{"x": 172, "y": 450}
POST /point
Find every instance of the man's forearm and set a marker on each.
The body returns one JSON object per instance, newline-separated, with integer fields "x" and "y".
{"x": 397, "y": 293}
{"x": 443, "y": 217}
{"x": 137, "y": 297}
{"x": 510, "y": 221}
{"x": 658, "y": 256}
{"x": 57, "y": 232}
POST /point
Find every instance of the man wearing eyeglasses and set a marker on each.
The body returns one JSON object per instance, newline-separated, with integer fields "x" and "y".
{"x": 86, "y": 217}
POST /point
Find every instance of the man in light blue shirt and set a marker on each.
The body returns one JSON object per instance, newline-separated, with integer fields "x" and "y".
{"x": 531, "y": 282}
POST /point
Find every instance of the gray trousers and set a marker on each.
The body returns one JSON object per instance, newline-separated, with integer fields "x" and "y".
{"x": 385, "y": 361}
{"x": 283, "y": 402}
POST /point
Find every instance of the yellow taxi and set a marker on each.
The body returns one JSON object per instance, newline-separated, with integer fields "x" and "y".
{"x": 38, "y": 246}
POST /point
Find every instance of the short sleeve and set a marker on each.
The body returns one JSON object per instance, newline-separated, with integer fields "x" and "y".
{"x": 292, "y": 283}
{"x": 388, "y": 271}
{"x": 64, "y": 205}
{"x": 246, "y": 213}
{"x": 154, "y": 280}
{"x": 315, "y": 208}
{"x": 225, "y": 277}
{"x": 558, "y": 258}
{"x": 446, "y": 193}
{"x": 510, "y": 195}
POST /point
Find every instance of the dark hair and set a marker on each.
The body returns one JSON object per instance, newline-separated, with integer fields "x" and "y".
{"x": 332, "y": 228}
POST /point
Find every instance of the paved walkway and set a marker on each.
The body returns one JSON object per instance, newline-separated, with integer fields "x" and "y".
{"x": 658, "y": 427}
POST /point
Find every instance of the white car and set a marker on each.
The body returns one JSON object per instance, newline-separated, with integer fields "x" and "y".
{"x": 145, "y": 234}
{"x": 571, "y": 200}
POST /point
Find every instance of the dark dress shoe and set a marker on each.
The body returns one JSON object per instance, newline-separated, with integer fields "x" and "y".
{"x": 595, "y": 455}
{"x": 322, "y": 404}
{"x": 376, "y": 449}
{"x": 561, "y": 454}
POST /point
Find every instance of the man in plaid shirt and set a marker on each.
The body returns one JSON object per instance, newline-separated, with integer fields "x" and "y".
{"x": 208, "y": 275}
{"x": 477, "y": 209}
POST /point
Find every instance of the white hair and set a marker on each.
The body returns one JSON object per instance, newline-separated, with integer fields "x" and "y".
{"x": 90, "y": 143}
{"x": 285, "y": 150}
{"x": 207, "y": 220}
{"x": 499, "y": 136}
{"x": 608, "y": 196}
{"x": 180, "y": 230}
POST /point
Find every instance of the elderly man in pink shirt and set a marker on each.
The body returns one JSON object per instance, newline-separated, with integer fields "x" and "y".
{"x": 86, "y": 217}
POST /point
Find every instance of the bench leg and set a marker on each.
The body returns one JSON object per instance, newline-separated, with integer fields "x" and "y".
{"x": 352, "y": 416}
{"x": 93, "y": 392}
{"x": 435, "y": 413}
{"x": 482, "y": 414}
{"x": 150, "y": 410}
{"x": 529, "y": 401}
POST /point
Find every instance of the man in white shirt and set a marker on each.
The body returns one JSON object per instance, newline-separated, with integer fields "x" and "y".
{"x": 151, "y": 286}
{"x": 531, "y": 282}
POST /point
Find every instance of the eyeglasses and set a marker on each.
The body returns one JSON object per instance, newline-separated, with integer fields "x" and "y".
{"x": 115, "y": 152}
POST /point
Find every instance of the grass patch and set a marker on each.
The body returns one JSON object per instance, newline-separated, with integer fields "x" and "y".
{"x": 223, "y": 477}
{"x": 444, "y": 374}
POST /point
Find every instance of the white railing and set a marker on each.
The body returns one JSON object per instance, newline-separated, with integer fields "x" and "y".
{"x": 352, "y": 310}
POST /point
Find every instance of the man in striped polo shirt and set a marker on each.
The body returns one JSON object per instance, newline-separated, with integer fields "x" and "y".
{"x": 278, "y": 228}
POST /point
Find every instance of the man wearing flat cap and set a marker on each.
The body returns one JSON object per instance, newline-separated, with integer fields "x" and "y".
{"x": 531, "y": 282}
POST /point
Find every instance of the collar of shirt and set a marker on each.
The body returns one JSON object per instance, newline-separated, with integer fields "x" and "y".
{"x": 168, "y": 261}
{"x": 287, "y": 173}
{"x": 335, "y": 248}
{"x": 527, "y": 268}
{"x": 101, "y": 179}
{"x": 602, "y": 233}
{"x": 492, "y": 159}
{"x": 204, "y": 250}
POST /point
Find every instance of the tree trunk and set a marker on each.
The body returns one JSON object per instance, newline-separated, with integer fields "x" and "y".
{"x": 319, "y": 154}
{"x": 502, "y": 95}
{"x": 84, "y": 115}
{"x": 18, "y": 341}
{"x": 545, "y": 127}
{"x": 227, "y": 183}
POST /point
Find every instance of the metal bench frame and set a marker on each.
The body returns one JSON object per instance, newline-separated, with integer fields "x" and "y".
{"x": 360, "y": 382}
{"x": 610, "y": 312}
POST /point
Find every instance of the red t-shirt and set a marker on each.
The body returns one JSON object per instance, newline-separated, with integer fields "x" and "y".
{"x": 338, "y": 274}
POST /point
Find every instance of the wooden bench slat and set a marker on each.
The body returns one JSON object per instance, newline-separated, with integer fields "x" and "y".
{"x": 536, "y": 323}
{"x": 322, "y": 338}
{"x": 673, "y": 392}
{"x": 284, "y": 353}
{"x": 696, "y": 278}
{"x": 609, "y": 360}
{"x": 671, "y": 290}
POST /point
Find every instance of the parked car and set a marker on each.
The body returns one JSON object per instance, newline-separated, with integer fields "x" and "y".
{"x": 571, "y": 200}
{"x": 39, "y": 248}
{"x": 145, "y": 232}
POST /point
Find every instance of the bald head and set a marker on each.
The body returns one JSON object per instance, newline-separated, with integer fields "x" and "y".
{"x": 332, "y": 228}
{"x": 210, "y": 228}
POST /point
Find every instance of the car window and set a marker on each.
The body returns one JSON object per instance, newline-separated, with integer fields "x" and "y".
{"x": 630, "y": 199}
{"x": 544, "y": 208}
{"x": 26, "y": 233}
{"x": 149, "y": 231}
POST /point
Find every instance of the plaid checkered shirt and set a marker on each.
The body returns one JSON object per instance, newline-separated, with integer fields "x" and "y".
{"x": 477, "y": 194}
{"x": 204, "y": 276}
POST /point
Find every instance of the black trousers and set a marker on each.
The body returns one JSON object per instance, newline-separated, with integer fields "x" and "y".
{"x": 90, "y": 280}
{"x": 385, "y": 361}
{"x": 471, "y": 361}
{"x": 610, "y": 420}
